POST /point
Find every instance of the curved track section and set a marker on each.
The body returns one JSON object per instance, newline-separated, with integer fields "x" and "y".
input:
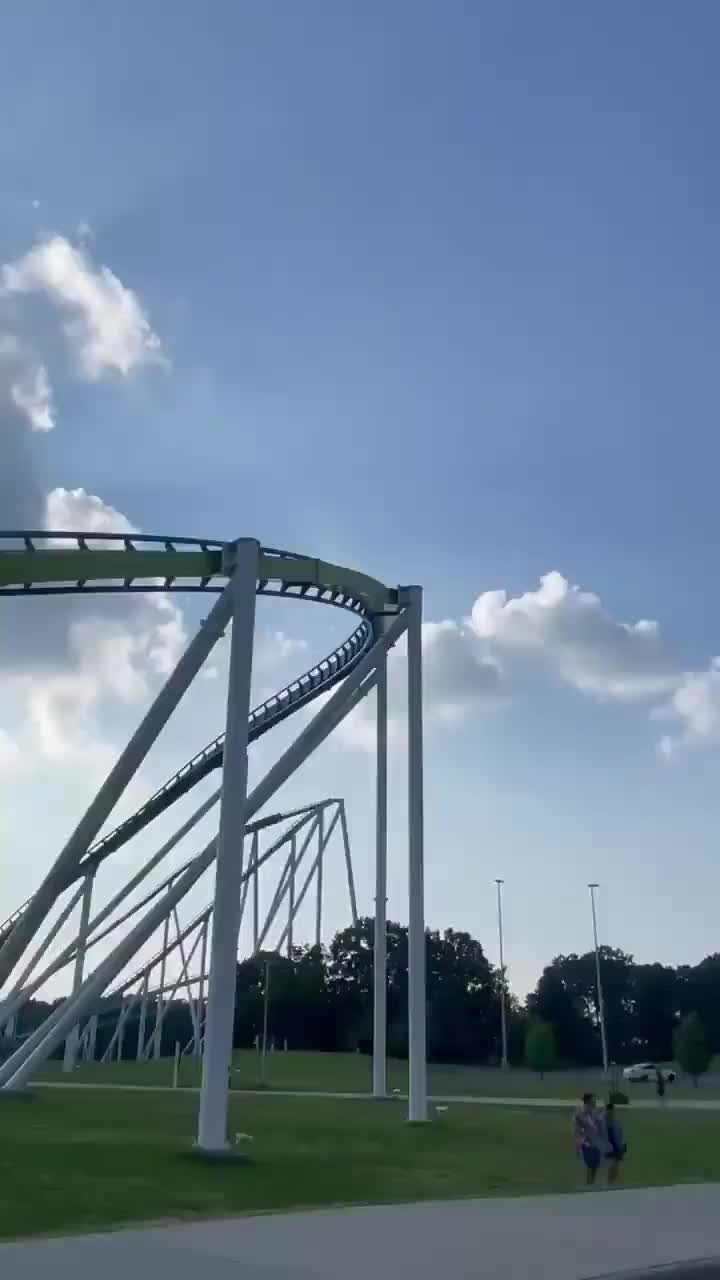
{"x": 318, "y": 680}
{"x": 43, "y": 563}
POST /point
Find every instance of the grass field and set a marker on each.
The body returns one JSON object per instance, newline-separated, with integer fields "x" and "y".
{"x": 350, "y": 1072}
{"x": 82, "y": 1160}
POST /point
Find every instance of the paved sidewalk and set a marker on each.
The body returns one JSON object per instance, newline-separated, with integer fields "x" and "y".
{"x": 542, "y": 1238}
{"x": 491, "y": 1100}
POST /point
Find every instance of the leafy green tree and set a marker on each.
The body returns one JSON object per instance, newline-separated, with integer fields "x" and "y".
{"x": 691, "y": 1048}
{"x": 655, "y": 1004}
{"x": 566, "y": 996}
{"x": 540, "y": 1047}
{"x": 698, "y": 992}
{"x": 553, "y": 1001}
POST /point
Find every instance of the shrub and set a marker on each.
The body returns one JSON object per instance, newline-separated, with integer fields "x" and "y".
{"x": 540, "y": 1049}
{"x": 691, "y": 1048}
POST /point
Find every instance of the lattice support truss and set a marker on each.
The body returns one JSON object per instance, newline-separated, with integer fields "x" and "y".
{"x": 43, "y": 563}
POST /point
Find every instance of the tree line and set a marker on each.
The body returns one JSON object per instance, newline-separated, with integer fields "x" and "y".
{"x": 321, "y": 998}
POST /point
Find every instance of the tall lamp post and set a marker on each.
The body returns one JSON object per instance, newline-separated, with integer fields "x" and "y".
{"x": 503, "y": 1015}
{"x": 601, "y": 1004}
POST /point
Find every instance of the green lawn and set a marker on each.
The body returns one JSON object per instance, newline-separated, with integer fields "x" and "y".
{"x": 350, "y": 1072}
{"x": 76, "y": 1161}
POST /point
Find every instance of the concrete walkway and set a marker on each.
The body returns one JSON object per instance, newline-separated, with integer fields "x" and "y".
{"x": 638, "y": 1104}
{"x": 542, "y": 1238}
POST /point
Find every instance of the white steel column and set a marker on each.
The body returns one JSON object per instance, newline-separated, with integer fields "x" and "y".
{"x": 291, "y": 897}
{"x": 185, "y": 972}
{"x": 212, "y": 1124}
{"x": 348, "y": 864}
{"x": 71, "y": 1044}
{"x": 379, "y": 1067}
{"x": 92, "y": 1038}
{"x": 201, "y": 991}
{"x": 140, "y": 1053}
{"x": 159, "y": 1000}
{"x": 319, "y": 887}
{"x": 256, "y": 889}
{"x": 503, "y": 984}
{"x": 417, "y": 1033}
{"x": 601, "y": 1003}
{"x": 124, "y": 1011}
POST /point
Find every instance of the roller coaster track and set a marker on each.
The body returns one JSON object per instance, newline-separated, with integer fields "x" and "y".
{"x": 45, "y": 564}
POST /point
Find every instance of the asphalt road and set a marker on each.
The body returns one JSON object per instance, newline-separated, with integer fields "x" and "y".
{"x": 576, "y": 1237}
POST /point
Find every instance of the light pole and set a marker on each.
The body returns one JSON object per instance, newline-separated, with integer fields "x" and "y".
{"x": 503, "y": 1015}
{"x": 601, "y": 1004}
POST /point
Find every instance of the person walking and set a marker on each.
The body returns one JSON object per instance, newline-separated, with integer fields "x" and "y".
{"x": 587, "y": 1132}
{"x": 660, "y": 1086}
{"x": 616, "y": 1144}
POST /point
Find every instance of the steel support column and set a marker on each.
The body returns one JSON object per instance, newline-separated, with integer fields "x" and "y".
{"x": 140, "y": 1053}
{"x": 71, "y": 1044}
{"x": 319, "y": 887}
{"x": 348, "y": 864}
{"x": 417, "y": 1031}
{"x": 291, "y": 897}
{"x": 197, "y": 1049}
{"x": 212, "y": 1123}
{"x": 159, "y": 1001}
{"x": 256, "y": 890}
{"x": 380, "y": 930}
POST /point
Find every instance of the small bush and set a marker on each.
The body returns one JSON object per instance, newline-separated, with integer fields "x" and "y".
{"x": 619, "y": 1098}
{"x": 540, "y": 1048}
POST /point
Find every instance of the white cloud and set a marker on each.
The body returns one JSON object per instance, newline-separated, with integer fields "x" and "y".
{"x": 163, "y": 640}
{"x": 275, "y": 647}
{"x": 25, "y": 382}
{"x": 458, "y": 680}
{"x": 10, "y": 754}
{"x": 106, "y": 668}
{"x": 105, "y": 321}
{"x": 272, "y": 649}
{"x": 79, "y": 511}
{"x": 509, "y": 644}
{"x": 91, "y": 656}
{"x": 695, "y": 709}
{"x": 577, "y": 640}
{"x": 104, "y": 330}
{"x": 32, "y": 395}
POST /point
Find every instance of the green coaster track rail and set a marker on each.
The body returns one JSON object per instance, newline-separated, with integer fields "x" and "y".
{"x": 39, "y": 563}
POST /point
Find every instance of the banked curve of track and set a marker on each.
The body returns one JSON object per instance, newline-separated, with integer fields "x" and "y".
{"x": 42, "y": 563}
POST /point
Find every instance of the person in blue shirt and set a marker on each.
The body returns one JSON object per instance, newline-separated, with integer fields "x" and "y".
{"x": 616, "y": 1144}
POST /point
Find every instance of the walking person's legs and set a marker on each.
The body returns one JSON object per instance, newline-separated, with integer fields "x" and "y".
{"x": 591, "y": 1160}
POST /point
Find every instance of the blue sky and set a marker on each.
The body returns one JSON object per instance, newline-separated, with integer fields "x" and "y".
{"x": 437, "y": 288}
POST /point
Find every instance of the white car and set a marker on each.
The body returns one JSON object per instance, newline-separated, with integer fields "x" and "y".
{"x": 642, "y": 1072}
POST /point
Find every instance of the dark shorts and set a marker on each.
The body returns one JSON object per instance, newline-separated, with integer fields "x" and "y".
{"x": 617, "y": 1156}
{"x": 591, "y": 1157}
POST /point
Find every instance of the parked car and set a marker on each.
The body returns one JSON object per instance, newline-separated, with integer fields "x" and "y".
{"x": 642, "y": 1072}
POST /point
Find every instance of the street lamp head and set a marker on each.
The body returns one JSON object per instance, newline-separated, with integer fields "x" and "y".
{"x": 593, "y": 885}
{"x": 498, "y": 881}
